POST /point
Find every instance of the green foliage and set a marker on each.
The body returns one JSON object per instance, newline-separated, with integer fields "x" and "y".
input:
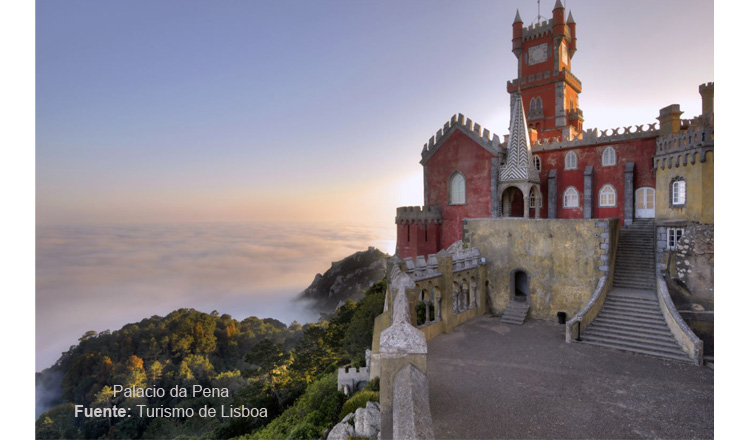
{"x": 359, "y": 400}
{"x": 373, "y": 385}
{"x": 290, "y": 371}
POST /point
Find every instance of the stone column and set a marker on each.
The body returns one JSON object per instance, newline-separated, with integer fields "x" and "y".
{"x": 629, "y": 202}
{"x": 438, "y": 312}
{"x": 525, "y": 206}
{"x": 588, "y": 182}
{"x": 552, "y": 194}
{"x": 494, "y": 197}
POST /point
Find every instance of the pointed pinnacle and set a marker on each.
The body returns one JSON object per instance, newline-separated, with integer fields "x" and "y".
{"x": 518, "y": 18}
{"x": 570, "y": 18}
{"x": 558, "y": 4}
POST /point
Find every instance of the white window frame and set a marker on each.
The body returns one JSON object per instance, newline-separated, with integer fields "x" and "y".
{"x": 678, "y": 192}
{"x": 570, "y": 193}
{"x": 457, "y": 196}
{"x": 609, "y": 157}
{"x": 673, "y": 237}
{"x": 535, "y": 199}
{"x": 571, "y": 161}
{"x": 537, "y": 161}
{"x": 610, "y": 197}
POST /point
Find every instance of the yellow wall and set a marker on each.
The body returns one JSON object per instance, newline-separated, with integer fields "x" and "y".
{"x": 561, "y": 257}
{"x": 699, "y": 201}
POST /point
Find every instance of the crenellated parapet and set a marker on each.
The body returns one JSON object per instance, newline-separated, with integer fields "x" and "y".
{"x": 418, "y": 214}
{"x": 593, "y": 136}
{"x": 537, "y": 30}
{"x": 545, "y": 77}
{"x": 686, "y": 145}
{"x": 482, "y": 136}
{"x": 465, "y": 259}
{"x": 422, "y": 269}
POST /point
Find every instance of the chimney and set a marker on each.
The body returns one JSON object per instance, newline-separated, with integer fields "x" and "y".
{"x": 669, "y": 119}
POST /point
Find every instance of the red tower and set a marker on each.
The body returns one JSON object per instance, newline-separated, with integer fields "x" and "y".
{"x": 548, "y": 88}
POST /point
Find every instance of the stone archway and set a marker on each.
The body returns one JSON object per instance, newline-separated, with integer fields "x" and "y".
{"x": 515, "y": 199}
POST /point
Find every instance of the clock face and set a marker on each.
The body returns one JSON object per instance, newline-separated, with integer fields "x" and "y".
{"x": 538, "y": 54}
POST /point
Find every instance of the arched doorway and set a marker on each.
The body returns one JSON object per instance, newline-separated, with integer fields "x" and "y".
{"x": 519, "y": 286}
{"x": 512, "y": 202}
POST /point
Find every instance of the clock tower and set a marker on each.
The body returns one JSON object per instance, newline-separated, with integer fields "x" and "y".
{"x": 548, "y": 88}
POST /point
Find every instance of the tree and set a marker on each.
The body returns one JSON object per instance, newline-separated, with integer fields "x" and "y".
{"x": 264, "y": 358}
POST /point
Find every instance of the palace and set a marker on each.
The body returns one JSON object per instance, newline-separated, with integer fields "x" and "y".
{"x": 550, "y": 167}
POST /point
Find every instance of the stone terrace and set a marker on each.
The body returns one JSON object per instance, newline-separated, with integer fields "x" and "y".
{"x": 493, "y": 380}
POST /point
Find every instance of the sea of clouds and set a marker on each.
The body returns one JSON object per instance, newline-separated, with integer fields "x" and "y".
{"x": 98, "y": 277}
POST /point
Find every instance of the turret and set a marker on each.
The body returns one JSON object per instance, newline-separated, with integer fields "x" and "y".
{"x": 669, "y": 119}
{"x": 707, "y": 95}
{"x": 558, "y": 19}
{"x": 517, "y": 35}
{"x": 572, "y": 27}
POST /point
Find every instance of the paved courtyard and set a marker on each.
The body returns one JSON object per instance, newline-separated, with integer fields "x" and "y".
{"x": 493, "y": 380}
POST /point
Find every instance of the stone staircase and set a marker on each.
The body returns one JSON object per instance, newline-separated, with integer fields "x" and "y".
{"x": 515, "y": 313}
{"x": 635, "y": 265}
{"x": 631, "y": 319}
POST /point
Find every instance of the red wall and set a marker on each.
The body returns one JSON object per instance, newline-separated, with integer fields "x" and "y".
{"x": 459, "y": 153}
{"x": 640, "y": 151}
{"x": 410, "y": 239}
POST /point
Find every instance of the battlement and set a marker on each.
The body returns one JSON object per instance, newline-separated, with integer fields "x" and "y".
{"x": 705, "y": 87}
{"x": 695, "y": 136}
{"x": 418, "y": 214}
{"x": 464, "y": 259}
{"x": 594, "y": 136}
{"x": 484, "y": 137}
{"x": 537, "y": 30}
{"x": 352, "y": 379}
{"x": 422, "y": 269}
{"x": 545, "y": 76}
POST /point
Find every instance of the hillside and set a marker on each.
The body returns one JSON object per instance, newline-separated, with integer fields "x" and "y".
{"x": 346, "y": 279}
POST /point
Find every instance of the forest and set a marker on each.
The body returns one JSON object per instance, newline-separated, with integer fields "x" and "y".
{"x": 288, "y": 370}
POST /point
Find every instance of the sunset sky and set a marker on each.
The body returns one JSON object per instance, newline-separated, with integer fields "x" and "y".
{"x": 299, "y": 110}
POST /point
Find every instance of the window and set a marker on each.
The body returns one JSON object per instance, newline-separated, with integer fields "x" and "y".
{"x": 457, "y": 189}
{"x": 570, "y": 198}
{"x": 534, "y": 200}
{"x": 673, "y": 236}
{"x": 607, "y": 196}
{"x": 609, "y": 157}
{"x": 679, "y": 191}
{"x": 571, "y": 161}
{"x": 537, "y": 163}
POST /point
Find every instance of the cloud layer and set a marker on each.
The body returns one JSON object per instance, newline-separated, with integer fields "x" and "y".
{"x": 102, "y": 277}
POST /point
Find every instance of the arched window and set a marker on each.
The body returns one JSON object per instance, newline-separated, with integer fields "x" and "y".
{"x": 571, "y": 161}
{"x": 607, "y": 196}
{"x": 457, "y": 189}
{"x": 609, "y": 157}
{"x": 532, "y": 105}
{"x": 534, "y": 200}
{"x": 570, "y": 198}
{"x": 679, "y": 191}
{"x": 537, "y": 163}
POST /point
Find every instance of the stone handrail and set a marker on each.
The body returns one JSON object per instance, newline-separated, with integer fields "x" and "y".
{"x": 404, "y": 392}
{"x": 588, "y": 313}
{"x": 682, "y": 333}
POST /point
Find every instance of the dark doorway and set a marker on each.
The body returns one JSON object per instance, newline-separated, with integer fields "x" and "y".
{"x": 513, "y": 202}
{"x": 520, "y": 287}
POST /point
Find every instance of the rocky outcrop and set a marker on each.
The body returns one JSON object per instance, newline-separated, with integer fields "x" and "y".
{"x": 346, "y": 279}
{"x": 364, "y": 423}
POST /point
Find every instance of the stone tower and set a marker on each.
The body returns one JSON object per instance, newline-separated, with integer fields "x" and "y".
{"x": 549, "y": 90}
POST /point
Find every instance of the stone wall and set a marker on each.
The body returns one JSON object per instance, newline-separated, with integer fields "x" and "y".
{"x": 563, "y": 259}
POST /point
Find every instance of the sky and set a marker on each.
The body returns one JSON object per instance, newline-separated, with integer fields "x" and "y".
{"x": 189, "y": 111}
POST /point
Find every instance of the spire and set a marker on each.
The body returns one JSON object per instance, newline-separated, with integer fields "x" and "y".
{"x": 558, "y": 4}
{"x": 518, "y": 18}
{"x": 518, "y": 158}
{"x": 570, "y": 18}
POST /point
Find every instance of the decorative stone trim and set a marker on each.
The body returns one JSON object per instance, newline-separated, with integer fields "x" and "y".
{"x": 469, "y": 128}
{"x": 594, "y": 137}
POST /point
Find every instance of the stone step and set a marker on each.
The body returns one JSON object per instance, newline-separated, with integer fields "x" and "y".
{"x": 656, "y": 341}
{"x": 631, "y": 325}
{"x": 629, "y": 311}
{"x": 652, "y": 331}
{"x": 631, "y": 318}
{"x": 646, "y": 351}
{"x": 633, "y": 285}
{"x": 674, "y": 350}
